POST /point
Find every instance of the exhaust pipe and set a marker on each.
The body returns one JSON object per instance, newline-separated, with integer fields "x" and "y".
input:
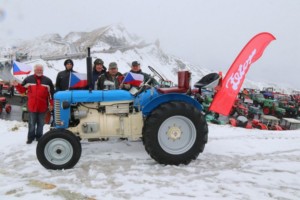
{"x": 89, "y": 70}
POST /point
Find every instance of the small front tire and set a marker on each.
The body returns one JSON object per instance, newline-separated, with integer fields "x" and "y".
{"x": 58, "y": 149}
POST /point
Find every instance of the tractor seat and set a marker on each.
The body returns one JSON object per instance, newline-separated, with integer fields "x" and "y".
{"x": 209, "y": 81}
{"x": 172, "y": 90}
{"x": 183, "y": 84}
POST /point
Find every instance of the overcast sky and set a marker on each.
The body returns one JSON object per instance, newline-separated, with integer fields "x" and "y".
{"x": 207, "y": 33}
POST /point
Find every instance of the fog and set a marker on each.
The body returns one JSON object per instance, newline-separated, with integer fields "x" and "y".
{"x": 209, "y": 34}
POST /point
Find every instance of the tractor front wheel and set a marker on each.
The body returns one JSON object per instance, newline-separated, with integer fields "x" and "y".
{"x": 58, "y": 149}
{"x": 175, "y": 133}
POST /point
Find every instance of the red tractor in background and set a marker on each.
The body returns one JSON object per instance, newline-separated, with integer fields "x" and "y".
{"x": 4, "y": 89}
{"x": 240, "y": 108}
{"x": 4, "y": 105}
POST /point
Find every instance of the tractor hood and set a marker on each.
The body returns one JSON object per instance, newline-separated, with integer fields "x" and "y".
{"x": 79, "y": 96}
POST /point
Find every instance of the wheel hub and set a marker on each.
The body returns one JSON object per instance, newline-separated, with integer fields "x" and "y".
{"x": 58, "y": 151}
{"x": 174, "y": 133}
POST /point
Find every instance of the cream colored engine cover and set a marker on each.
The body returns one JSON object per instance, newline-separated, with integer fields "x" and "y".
{"x": 104, "y": 125}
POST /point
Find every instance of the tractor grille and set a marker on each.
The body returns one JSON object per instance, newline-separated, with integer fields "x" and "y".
{"x": 57, "y": 112}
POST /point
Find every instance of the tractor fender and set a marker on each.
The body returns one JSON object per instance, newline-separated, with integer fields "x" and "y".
{"x": 154, "y": 103}
{"x": 277, "y": 128}
{"x": 232, "y": 122}
{"x": 262, "y": 126}
{"x": 249, "y": 126}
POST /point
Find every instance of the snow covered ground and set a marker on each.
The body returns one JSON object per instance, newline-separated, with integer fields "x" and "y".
{"x": 236, "y": 164}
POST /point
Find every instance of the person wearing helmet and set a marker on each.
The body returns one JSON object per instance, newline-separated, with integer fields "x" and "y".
{"x": 63, "y": 77}
{"x": 98, "y": 69}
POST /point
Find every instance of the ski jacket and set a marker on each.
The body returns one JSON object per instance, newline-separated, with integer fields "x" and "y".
{"x": 39, "y": 92}
{"x": 96, "y": 76}
{"x": 107, "y": 77}
{"x": 62, "y": 80}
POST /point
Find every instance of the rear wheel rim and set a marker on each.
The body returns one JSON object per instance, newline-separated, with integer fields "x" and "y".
{"x": 177, "y": 135}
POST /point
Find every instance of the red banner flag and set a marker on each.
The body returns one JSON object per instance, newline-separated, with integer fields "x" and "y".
{"x": 235, "y": 76}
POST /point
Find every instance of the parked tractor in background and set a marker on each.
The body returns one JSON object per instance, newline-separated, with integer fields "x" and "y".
{"x": 258, "y": 99}
{"x": 239, "y": 108}
{"x": 165, "y": 83}
{"x": 290, "y": 107}
{"x": 4, "y": 105}
{"x": 271, "y": 122}
{"x": 271, "y": 107}
{"x": 168, "y": 120}
{"x": 254, "y": 112}
{"x": 290, "y": 124}
{"x": 267, "y": 122}
{"x": 268, "y": 93}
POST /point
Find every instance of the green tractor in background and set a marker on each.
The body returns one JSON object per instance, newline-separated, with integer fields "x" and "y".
{"x": 258, "y": 99}
{"x": 290, "y": 107}
{"x": 271, "y": 107}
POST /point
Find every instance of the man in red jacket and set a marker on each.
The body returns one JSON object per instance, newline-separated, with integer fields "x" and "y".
{"x": 40, "y": 92}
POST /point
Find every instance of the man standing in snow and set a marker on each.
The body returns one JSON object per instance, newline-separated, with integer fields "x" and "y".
{"x": 63, "y": 77}
{"x": 40, "y": 91}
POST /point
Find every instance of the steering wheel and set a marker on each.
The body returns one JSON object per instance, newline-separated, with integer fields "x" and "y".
{"x": 156, "y": 73}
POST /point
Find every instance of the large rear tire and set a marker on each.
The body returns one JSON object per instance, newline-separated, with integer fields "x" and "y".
{"x": 58, "y": 149}
{"x": 175, "y": 133}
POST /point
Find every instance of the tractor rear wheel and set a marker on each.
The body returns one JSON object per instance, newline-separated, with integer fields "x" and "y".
{"x": 58, "y": 149}
{"x": 175, "y": 133}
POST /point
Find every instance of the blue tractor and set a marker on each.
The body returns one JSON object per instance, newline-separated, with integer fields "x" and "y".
{"x": 168, "y": 120}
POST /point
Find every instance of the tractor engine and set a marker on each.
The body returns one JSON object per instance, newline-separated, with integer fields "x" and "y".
{"x": 93, "y": 117}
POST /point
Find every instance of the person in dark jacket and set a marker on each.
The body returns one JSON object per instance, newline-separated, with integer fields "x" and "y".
{"x": 63, "y": 77}
{"x": 136, "y": 68}
{"x": 110, "y": 80}
{"x": 40, "y": 91}
{"x": 98, "y": 69}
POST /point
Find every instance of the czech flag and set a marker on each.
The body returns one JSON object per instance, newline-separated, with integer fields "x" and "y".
{"x": 133, "y": 79}
{"x": 78, "y": 80}
{"x": 21, "y": 68}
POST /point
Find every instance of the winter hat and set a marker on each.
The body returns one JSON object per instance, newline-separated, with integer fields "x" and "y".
{"x": 135, "y": 63}
{"x": 68, "y": 61}
{"x": 113, "y": 65}
{"x": 98, "y": 61}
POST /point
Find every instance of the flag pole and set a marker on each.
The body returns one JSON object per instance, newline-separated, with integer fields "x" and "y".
{"x": 69, "y": 80}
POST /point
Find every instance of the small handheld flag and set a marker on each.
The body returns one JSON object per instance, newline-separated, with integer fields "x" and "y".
{"x": 77, "y": 80}
{"x": 133, "y": 79}
{"x": 21, "y": 68}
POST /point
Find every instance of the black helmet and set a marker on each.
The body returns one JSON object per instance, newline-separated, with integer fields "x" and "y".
{"x": 98, "y": 61}
{"x": 135, "y": 63}
{"x": 68, "y": 61}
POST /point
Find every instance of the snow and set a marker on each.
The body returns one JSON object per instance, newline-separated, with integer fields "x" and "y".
{"x": 236, "y": 164}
